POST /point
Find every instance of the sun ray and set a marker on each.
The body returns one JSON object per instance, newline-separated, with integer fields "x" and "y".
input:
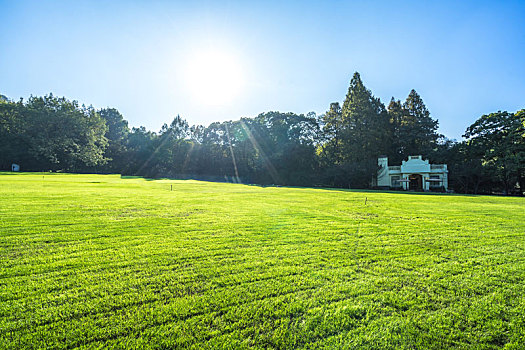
{"x": 266, "y": 161}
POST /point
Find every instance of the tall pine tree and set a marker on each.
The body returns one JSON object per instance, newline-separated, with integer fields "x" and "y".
{"x": 366, "y": 131}
{"x": 418, "y": 131}
{"x": 396, "y": 115}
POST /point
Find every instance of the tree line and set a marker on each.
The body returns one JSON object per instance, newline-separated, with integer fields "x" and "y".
{"x": 336, "y": 149}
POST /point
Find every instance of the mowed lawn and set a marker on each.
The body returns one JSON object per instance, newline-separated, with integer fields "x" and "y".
{"x": 100, "y": 261}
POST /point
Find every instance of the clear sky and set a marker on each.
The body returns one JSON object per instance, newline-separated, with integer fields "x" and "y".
{"x": 217, "y": 60}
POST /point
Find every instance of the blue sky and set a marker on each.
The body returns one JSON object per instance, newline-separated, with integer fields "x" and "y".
{"x": 464, "y": 58}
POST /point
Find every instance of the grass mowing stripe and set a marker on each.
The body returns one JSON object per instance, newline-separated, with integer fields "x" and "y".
{"x": 102, "y": 261}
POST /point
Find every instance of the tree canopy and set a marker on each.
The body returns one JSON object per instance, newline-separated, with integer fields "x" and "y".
{"x": 52, "y": 133}
{"x": 336, "y": 149}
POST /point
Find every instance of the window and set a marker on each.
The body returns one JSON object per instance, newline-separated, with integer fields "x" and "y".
{"x": 435, "y": 183}
{"x": 395, "y": 181}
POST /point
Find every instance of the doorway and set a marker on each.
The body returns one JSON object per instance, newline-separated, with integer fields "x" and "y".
{"x": 416, "y": 182}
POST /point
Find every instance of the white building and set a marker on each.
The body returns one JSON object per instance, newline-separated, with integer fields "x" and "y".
{"x": 413, "y": 174}
{"x": 15, "y": 167}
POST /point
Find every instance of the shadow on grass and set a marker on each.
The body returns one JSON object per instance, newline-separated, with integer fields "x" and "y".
{"x": 252, "y": 184}
{"x": 29, "y": 173}
{"x": 361, "y": 190}
{"x": 412, "y": 193}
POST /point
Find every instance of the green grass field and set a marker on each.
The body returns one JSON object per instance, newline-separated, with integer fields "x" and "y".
{"x": 96, "y": 261}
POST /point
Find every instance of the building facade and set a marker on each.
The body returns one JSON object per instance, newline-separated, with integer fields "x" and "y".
{"x": 413, "y": 174}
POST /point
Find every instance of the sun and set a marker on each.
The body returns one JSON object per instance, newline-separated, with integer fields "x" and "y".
{"x": 214, "y": 77}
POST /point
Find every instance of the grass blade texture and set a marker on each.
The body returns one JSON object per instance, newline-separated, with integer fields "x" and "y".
{"x": 101, "y": 261}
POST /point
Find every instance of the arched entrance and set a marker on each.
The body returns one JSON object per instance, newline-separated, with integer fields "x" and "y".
{"x": 416, "y": 182}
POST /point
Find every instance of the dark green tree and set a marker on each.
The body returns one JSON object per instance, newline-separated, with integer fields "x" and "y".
{"x": 365, "y": 132}
{"x": 172, "y": 149}
{"x": 417, "y": 130}
{"x": 53, "y": 133}
{"x": 14, "y": 140}
{"x": 178, "y": 128}
{"x": 68, "y": 136}
{"x": 499, "y": 141}
{"x": 396, "y": 114}
{"x": 355, "y": 136}
{"x": 330, "y": 149}
{"x": 116, "y": 134}
{"x": 465, "y": 165}
{"x": 140, "y": 147}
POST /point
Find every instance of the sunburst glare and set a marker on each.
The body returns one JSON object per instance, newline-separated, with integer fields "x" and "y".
{"x": 214, "y": 77}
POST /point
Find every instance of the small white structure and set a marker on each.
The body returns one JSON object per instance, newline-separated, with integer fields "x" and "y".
{"x": 413, "y": 174}
{"x": 15, "y": 167}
